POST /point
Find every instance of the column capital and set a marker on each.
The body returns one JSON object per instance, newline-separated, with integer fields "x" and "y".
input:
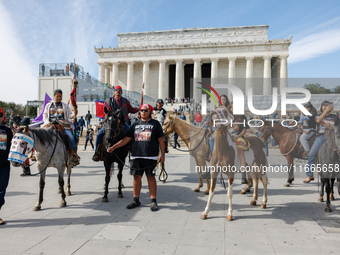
{"x": 115, "y": 63}
{"x": 267, "y": 57}
{"x": 249, "y": 57}
{"x": 214, "y": 59}
{"x": 231, "y": 58}
{"x": 146, "y": 61}
{"x": 179, "y": 61}
{"x": 284, "y": 56}
{"x": 162, "y": 61}
{"x": 130, "y": 62}
{"x": 197, "y": 59}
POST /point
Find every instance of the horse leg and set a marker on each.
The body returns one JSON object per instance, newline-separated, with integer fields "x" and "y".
{"x": 211, "y": 194}
{"x": 230, "y": 197}
{"x": 119, "y": 177}
{"x": 256, "y": 191}
{"x": 321, "y": 192}
{"x": 328, "y": 192}
{"x": 61, "y": 186}
{"x": 37, "y": 207}
{"x": 248, "y": 186}
{"x": 290, "y": 161}
{"x": 264, "y": 180}
{"x": 68, "y": 186}
{"x": 332, "y": 189}
{"x": 107, "y": 181}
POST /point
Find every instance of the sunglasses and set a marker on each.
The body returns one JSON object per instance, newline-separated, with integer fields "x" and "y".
{"x": 118, "y": 90}
{"x": 144, "y": 110}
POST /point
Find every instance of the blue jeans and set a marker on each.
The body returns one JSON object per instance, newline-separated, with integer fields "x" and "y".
{"x": 176, "y": 140}
{"x": 71, "y": 138}
{"x": 312, "y": 154}
{"x": 88, "y": 123}
{"x": 88, "y": 139}
{"x": 4, "y": 178}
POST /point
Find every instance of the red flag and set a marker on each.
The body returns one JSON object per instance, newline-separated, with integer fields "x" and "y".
{"x": 73, "y": 97}
{"x": 100, "y": 109}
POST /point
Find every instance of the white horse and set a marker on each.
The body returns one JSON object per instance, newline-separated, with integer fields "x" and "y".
{"x": 52, "y": 149}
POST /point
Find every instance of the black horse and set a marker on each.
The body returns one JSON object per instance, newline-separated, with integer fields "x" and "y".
{"x": 329, "y": 162}
{"x": 113, "y": 134}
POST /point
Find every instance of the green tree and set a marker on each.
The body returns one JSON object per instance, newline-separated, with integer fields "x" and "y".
{"x": 336, "y": 90}
{"x": 316, "y": 88}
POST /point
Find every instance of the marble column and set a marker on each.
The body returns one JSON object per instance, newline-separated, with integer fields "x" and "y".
{"x": 107, "y": 74}
{"x": 101, "y": 76}
{"x": 283, "y": 72}
{"x": 267, "y": 75}
{"x": 130, "y": 76}
{"x": 146, "y": 77}
{"x": 179, "y": 86}
{"x": 231, "y": 75}
{"x": 161, "y": 80}
{"x": 249, "y": 72}
{"x": 197, "y": 78}
{"x": 214, "y": 68}
{"x": 114, "y": 76}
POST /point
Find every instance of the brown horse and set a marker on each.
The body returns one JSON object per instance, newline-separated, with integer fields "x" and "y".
{"x": 197, "y": 141}
{"x": 225, "y": 156}
{"x": 289, "y": 144}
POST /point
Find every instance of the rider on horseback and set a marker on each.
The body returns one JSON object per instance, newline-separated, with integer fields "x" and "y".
{"x": 114, "y": 103}
{"x": 325, "y": 120}
{"x": 159, "y": 113}
{"x": 308, "y": 126}
{"x": 58, "y": 113}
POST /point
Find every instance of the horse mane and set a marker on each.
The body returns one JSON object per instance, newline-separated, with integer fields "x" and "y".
{"x": 46, "y": 135}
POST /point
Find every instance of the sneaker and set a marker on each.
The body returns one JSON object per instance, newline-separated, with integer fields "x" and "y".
{"x": 84, "y": 149}
{"x": 309, "y": 179}
{"x": 166, "y": 150}
{"x": 134, "y": 204}
{"x": 154, "y": 207}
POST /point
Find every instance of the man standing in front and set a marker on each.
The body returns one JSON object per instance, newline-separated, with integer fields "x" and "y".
{"x": 146, "y": 135}
{"x": 88, "y": 118}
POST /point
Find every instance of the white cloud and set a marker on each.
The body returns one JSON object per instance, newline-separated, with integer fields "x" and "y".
{"x": 314, "y": 45}
{"x": 18, "y": 82}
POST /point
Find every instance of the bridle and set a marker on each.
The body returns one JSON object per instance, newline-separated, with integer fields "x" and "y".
{"x": 115, "y": 131}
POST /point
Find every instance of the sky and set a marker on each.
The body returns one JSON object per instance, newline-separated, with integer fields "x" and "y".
{"x": 37, "y": 31}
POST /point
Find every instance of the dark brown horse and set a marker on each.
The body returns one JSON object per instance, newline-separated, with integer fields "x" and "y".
{"x": 289, "y": 144}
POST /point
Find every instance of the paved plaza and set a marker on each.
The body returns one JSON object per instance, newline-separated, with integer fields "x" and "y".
{"x": 293, "y": 223}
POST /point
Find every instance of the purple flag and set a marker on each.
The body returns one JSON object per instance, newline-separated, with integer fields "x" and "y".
{"x": 40, "y": 117}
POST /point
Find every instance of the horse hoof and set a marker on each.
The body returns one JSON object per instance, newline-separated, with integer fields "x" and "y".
{"x": 328, "y": 209}
{"x": 196, "y": 190}
{"x": 203, "y": 217}
{"x": 229, "y": 218}
{"x": 59, "y": 191}
{"x": 37, "y": 208}
{"x": 62, "y": 204}
{"x": 320, "y": 199}
{"x": 105, "y": 200}
{"x": 119, "y": 195}
{"x": 104, "y": 187}
{"x": 263, "y": 206}
{"x": 68, "y": 193}
{"x": 242, "y": 192}
{"x": 331, "y": 197}
{"x": 206, "y": 193}
{"x": 163, "y": 181}
{"x": 253, "y": 203}
{"x": 122, "y": 186}
{"x": 247, "y": 190}
{"x": 287, "y": 184}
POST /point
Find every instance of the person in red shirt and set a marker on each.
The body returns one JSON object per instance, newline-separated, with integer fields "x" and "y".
{"x": 198, "y": 118}
{"x": 113, "y": 104}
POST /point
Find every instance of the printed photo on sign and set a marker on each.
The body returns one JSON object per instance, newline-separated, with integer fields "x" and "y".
{"x": 3, "y": 141}
{"x": 143, "y": 135}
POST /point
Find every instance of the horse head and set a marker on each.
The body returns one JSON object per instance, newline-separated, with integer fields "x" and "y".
{"x": 111, "y": 124}
{"x": 22, "y": 145}
{"x": 168, "y": 125}
{"x": 265, "y": 131}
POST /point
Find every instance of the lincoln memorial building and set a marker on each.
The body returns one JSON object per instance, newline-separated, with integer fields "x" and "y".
{"x": 166, "y": 61}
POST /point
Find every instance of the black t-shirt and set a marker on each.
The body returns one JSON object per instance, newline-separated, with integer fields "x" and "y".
{"x": 6, "y": 136}
{"x": 331, "y": 119}
{"x": 145, "y": 136}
